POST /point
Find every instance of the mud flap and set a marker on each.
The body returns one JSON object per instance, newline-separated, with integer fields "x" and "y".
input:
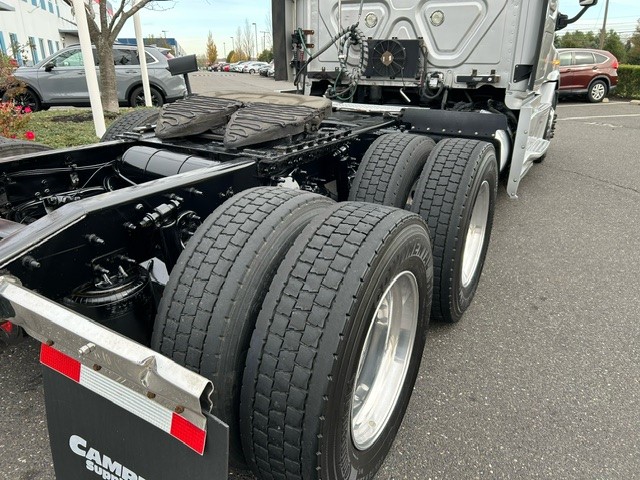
{"x": 93, "y": 438}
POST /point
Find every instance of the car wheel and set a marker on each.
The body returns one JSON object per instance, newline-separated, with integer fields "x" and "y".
{"x": 210, "y": 305}
{"x": 337, "y": 346}
{"x": 26, "y": 98}
{"x": 390, "y": 168}
{"x": 129, "y": 121}
{"x": 137, "y": 97}
{"x": 252, "y": 71}
{"x": 597, "y": 91}
{"x": 456, "y": 195}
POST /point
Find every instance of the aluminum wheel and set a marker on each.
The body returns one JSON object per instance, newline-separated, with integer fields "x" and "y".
{"x": 598, "y": 91}
{"x": 384, "y": 360}
{"x": 475, "y": 235}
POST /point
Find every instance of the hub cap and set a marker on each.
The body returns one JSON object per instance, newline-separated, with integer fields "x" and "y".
{"x": 384, "y": 360}
{"x": 475, "y": 235}
{"x": 598, "y": 91}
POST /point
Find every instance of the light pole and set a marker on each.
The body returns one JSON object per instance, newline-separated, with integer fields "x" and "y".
{"x": 224, "y": 49}
{"x": 264, "y": 43}
{"x": 233, "y": 45}
{"x": 255, "y": 28}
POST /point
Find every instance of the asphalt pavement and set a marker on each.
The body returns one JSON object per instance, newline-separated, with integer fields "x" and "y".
{"x": 541, "y": 377}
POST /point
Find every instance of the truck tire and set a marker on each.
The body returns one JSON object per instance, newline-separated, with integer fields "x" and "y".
{"x": 210, "y": 305}
{"x": 11, "y": 146}
{"x": 313, "y": 338}
{"x": 129, "y": 121}
{"x": 390, "y": 168}
{"x": 456, "y": 195}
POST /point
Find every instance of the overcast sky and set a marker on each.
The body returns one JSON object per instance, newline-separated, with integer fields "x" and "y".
{"x": 189, "y": 21}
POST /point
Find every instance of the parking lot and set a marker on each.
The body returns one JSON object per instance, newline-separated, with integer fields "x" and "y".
{"x": 541, "y": 378}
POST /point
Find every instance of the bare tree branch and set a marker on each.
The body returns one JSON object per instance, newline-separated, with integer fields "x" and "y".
{"x": 116, "y": 14}
{"x": 126, "y": 16}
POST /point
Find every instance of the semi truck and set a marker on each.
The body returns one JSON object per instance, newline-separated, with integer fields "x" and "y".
{"x": 245, "y": 281}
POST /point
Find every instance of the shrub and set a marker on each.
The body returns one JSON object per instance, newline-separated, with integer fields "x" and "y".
{"x": 14, "y": 120}
{"x": 629, "y": 81}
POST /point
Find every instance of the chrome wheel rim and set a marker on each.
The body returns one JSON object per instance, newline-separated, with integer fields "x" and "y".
{"x": 598, "y": 91}
{"x": 384, "y": 360}
{"x": 475, "y": 235}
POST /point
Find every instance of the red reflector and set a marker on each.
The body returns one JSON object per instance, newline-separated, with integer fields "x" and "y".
{"x": 7, "y": 327}
{"x": 60, "y": 362}
{"x": 615, "y": 65}
{"x": 188, "y": 433}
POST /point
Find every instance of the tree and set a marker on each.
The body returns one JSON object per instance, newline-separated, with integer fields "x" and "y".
{"x": 245, "y": 39}
{"x": 633, "y": 47}
{"x": 158, "y": 42}
{"x": 613, "y": 44}
{"x": 266, "y": 56}
{"x": 104, "y": 32}
{"x": 230, "y": 55}
{"x": 212, "y": 50}
{"x": 238, "y": 56}
{"x": 578, "y": 39}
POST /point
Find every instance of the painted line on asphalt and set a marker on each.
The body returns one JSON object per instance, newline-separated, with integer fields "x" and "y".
{"x": 598, "y": 116}
{"x": 603, "y": 104}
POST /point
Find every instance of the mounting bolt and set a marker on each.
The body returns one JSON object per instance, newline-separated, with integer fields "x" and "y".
{"x": 94, "y": 239}
{"x": 179, "y": 409}
{"x": 97, "y": 367}
{"x": 49, "y": 343}
{"x": 130, "y": 226}
{"x": 30, "y": 263}
{"x": 151, "y": 395}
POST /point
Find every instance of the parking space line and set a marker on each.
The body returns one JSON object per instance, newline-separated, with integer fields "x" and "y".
{"x": 599, "y": 116}
{"x": 597, "y": 105}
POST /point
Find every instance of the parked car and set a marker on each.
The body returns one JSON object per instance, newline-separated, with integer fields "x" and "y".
{"x": 586, "y": 71}
{"x": 217, "y": 67}
{"x": 238, "y": 66}
{"x": 253, "y": 67}
{"x": 60, "y": 79}
{"x": 264, "y": 70}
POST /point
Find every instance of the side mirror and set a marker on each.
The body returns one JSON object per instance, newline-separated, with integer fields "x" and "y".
{"x": 49, "y": 66}
{"x": 564, "y": 20}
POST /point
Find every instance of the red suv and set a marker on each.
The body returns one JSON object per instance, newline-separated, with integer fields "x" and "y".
{"x": 586, "y": 71}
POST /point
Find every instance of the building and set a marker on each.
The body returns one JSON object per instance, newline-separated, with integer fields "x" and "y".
{"x": 31, "y": 30}
{"x": 162, "y": 42}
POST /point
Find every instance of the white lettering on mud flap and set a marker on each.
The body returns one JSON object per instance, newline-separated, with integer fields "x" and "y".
{"x": 99, "y": 463}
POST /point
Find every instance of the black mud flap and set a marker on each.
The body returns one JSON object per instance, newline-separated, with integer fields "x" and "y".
{"x": 93, "y": 438}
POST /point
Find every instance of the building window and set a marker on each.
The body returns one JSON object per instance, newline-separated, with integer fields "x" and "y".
{"x": 3, "y": 47}
{"x": 43, "y": 54}
{"x": 57, "y": 46}
{"x": 15, "y": 48}
{"x": 50, "y": 45}
{"x": 43, "y": 4}
{"x": 34, "y": 3}
{"x": 34, "y": 51}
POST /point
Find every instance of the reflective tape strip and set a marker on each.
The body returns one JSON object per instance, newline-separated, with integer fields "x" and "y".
{"x": 131, "y": 401}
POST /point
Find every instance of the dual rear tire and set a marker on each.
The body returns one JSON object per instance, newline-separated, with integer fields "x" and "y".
{"x": 453, "y": 186}
{"x": 310, "y": 319}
